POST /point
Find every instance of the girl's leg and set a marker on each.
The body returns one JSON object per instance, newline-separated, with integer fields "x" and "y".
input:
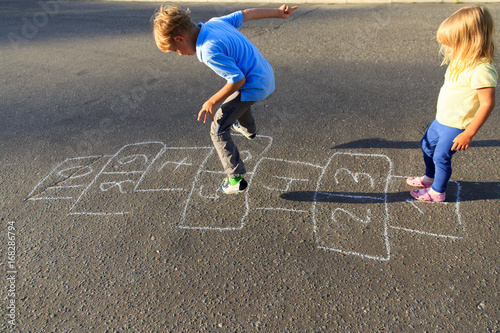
{"x": 442, "y": 156}
{"x": 428, "y": 144}
{"x": 224, "y": 117}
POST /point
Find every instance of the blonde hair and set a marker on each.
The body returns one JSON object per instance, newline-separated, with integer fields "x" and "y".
{"x": 468, "y": 33}
{"x": 170, "y": 21}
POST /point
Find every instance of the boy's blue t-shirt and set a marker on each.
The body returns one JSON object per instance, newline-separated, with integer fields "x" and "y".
{"x": 231, "y": 55}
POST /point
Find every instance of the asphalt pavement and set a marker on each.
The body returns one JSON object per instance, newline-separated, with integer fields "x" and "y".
{"x": 111, "y": 220}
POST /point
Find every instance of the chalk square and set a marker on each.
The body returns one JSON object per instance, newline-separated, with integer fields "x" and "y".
{"x": 110, "y": 194}
{"x": 357, "y": 175}
{"x": 174, "y": 170}
{"x": 206, "y": 206}
{"x": 134, "y": 158}
{"x": 68, "y": 179}
{"x": 209, "y": 208}
{"x": 350, "y": 213}
{"x": 276, "y": 179}
{"x": 353, "y": 228}
{"x": 440, "y": 219}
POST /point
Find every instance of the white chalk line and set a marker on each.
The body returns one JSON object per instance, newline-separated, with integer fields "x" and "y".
{"x": 51, "y": 198}
{"x": 64, "y": 186}
{"x": 412, "y": 202}
{"x": 173, "y": 189}
{"x": 426, "y": 233}
{"x": 352, "y": 216}
{"x": 177, "y": 166}
{"x": 293, "y": 162}
{"x": 367, "y": 256}
{"x": 122, "y": 172}
{"x": 99, "y": 214}
{"x": 284, "y": 209}
{"x": 288, "y": 184}
{"x": 210, "y": 228}
{"x": 200, "y": 193}
{"x": 61, "y": 172}
{"x": 183, "y": 216}
{"x": 351, "y": 196}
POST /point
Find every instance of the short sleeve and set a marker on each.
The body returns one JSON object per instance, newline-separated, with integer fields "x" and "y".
{"x": 225, "y": 67}
{"x": 235, "y": 19}
{"x": 484, "y": 76}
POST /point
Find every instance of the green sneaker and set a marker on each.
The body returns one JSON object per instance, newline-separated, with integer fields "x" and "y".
{"x": 231, "y": 189}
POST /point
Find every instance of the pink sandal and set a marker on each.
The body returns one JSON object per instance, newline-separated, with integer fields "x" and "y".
{"x": 417, "y": 182}
{"x": 425, "y": 196}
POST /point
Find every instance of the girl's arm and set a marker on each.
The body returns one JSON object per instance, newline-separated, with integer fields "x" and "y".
{"x": 259, "y": 13}
{"x": 220, "y": 96}
{"x": 486, "y": 104}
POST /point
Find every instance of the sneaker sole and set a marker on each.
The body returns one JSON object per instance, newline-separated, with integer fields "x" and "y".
{"x": 235, "y": 191}
{"x": 249, "y": 137}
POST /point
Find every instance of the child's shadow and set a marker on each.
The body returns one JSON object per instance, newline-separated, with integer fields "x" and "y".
{"x": 469, "y": 191}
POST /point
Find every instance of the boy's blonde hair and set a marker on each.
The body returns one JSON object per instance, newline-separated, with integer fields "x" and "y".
{"x": 170, "y": 21}
{"x": 469, "y": 35}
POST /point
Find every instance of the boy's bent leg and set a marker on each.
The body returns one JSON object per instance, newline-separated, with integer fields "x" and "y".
{"x": 247, "y": 121}
{"x": 225, "y": 116}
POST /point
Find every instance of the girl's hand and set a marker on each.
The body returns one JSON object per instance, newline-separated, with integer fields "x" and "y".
{"x": 461, "y": 141}
{"x": 207, "y": 108}
{"x": 287, "y": 11}
{"x": 486, "y": 104}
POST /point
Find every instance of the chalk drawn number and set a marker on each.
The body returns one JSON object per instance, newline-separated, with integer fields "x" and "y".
{"x": 355, "y": 176}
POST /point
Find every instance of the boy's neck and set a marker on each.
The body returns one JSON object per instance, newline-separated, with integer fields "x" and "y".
{"x": 195, "y": 33}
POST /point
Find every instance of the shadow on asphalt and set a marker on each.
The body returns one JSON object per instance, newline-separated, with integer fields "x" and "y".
{"x": 469, "y": 191}
{"x": 382, "y": 143}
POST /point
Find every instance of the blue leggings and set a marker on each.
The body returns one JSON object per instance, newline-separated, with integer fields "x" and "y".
{"x": 436, "y": 146}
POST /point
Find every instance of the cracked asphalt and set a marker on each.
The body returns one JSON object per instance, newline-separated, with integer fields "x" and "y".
{"x": 110, "y": 216}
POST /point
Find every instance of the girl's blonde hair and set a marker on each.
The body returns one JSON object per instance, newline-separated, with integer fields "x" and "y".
{"x": 170, "y": 21}
{"x": 468, "y": 34}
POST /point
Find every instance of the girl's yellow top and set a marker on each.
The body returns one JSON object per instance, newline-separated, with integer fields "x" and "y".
{"x": 458, "y": 100}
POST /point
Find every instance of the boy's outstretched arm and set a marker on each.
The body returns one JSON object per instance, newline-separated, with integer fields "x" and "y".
{"x": 283, "y": 12}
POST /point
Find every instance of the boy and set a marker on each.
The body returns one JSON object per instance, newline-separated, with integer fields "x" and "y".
{"x": 250, "y": 78}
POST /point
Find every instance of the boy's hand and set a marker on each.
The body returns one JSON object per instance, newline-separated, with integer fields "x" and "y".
{"x": 287, "y": 11}
{"x": 207, "y": 108}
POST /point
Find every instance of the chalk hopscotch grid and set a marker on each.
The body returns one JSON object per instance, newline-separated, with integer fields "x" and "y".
{"x": 210, "y": 152}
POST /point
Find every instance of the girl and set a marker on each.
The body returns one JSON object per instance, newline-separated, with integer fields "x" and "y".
{"x": 465, "y": 101}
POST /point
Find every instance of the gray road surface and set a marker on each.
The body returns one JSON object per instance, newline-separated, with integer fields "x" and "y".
{"x": 110, "y": 217}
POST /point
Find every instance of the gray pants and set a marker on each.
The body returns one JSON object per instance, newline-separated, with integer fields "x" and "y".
{"x": 230, "y": 111}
